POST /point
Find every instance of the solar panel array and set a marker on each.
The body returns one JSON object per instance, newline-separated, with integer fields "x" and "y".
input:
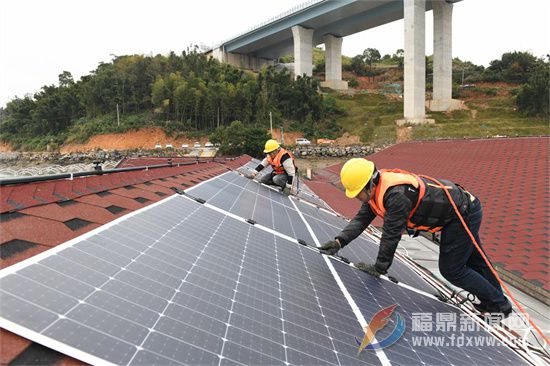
{"x": 300, "y": 189}
{"x": 269, "y": 208}
{"x": 184, "y": 283}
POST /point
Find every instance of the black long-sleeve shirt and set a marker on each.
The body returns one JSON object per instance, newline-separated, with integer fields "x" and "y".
{"x": 398, "y": 206}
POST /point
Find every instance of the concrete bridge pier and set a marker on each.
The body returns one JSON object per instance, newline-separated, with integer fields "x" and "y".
{"x": 443, "y": 58}
{"x": 303, "y": 51}
{"x": 415, "y": 63}
{"x": 333, "y": 63}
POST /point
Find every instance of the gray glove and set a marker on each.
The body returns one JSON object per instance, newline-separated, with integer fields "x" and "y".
{"x": 369, "y": 268}
{"x": 252, "y": 174}
{"x": 330, "y": 247}
{"x": 286, "y": 190}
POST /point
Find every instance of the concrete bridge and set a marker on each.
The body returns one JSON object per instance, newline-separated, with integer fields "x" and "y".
{"x": 329, "y": 21}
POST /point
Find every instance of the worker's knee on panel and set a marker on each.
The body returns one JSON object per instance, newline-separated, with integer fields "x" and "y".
{"x": 280, "y": 180}
{"x": 266, "y": 179}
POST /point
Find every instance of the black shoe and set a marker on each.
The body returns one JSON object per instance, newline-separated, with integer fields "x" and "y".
{"x": 496, "y": 312}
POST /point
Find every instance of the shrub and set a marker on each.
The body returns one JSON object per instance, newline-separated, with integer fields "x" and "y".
{"x": 237, "y": 139}
{"x": 533, "y": 97}
{"x": 353, "y": 83}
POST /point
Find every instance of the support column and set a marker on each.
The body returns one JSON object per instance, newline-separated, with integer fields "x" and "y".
{"x": 333, "y": 63}
{"x": 303, "y": 50}
{"x": 443, "y": 58}
{"x": 415, "y": 62}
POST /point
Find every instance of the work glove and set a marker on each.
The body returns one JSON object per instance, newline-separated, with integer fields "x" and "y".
{"x": 252, "y": 174}
{"x": 369, "y": 268}
{"x": 330, "y": 247}
{"x": 287, "y": 189}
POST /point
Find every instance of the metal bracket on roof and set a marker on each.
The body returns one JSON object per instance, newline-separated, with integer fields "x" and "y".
{"x": 393, "y": 279}
{"x": 182, "y": 192}
{"x": 251, "y": 222}
{"x": 343, "y": 259}
{"x": 197, "y": 199}
{"x": 97, "y": 166}
{"x": 178, "y": 191}
{"x": 302, "y": 242}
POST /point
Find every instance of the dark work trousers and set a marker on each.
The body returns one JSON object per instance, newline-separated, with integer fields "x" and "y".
{"x": 462, "y": 265}
{"x": 273, "y": 179}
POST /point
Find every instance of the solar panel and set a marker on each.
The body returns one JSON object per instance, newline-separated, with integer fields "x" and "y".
{"x": 183, "y": 283}
{"x": 301, "y": 190}
{"x": 327, "y": 226}
{"x": 236, "y": 194}
{"x": 478, "y": 346}
{"x": 248, "y": 199}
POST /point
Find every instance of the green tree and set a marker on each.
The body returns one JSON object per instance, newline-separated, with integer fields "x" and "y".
{"x": 513, "y": 67}
{"x": 534, "y": 96}
{"x": 160, "y": 93}
{"x": 371, "y": 55}
{"x": 237, "y": 139}
{"x": 190, "y": 90}
{"x": 399, "y": 58}
{"x": 65, "y": 79}
{"x": 358, "y": 65}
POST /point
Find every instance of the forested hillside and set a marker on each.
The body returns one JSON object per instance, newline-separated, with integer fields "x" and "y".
{"x": 192, "y": 95}
{"x": 181, "y": 93}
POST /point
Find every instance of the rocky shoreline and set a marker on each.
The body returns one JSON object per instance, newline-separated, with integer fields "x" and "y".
{"x": 40, "y": 158}
{"x": 335, "y": 151}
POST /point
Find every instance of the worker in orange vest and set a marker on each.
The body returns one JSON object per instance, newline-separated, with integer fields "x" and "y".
{"x": 404, "y": 200}
{"x": 282, "y": 163}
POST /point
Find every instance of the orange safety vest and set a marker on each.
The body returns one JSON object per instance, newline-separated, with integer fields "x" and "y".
{"x": 276, "y": 162}
{"x": 393, "y": 177}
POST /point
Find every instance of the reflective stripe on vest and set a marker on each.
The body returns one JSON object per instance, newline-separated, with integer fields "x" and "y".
{"x": 393, "y": 177}
{"x": 276, "y": 162}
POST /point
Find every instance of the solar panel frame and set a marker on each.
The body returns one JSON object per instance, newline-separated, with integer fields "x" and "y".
{"x": 369, "y": 290}
{"x": 372, "y": 294}
{"x": 291, "y": 275}
{"x": 99, "y": 321}
{"x": 233, "y": 193}
{"x": 228, "y": 197}
{"x": 362, "y": 249}
{"x": 303, "y": 190}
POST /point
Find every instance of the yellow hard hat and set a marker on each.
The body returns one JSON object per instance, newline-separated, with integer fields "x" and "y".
{"x": 355, "y": 175}
{"x": 271, "y": 145}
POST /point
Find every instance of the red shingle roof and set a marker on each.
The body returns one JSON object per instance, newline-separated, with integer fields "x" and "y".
{"x": 511, "y": 178}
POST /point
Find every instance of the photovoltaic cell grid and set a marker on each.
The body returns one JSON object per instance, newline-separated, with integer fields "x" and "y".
{"x": 303, "y": 190}
{"x": 182, "y": 283}
{"x": 477, "y": 347}
{"x": 327, "y": 226}
{"x": 242, "y": 197}
{"x": 247, "y": 199}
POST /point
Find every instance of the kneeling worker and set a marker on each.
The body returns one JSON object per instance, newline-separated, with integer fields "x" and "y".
{"x": 402, "y": 200}
{"x": 282, "y": 162}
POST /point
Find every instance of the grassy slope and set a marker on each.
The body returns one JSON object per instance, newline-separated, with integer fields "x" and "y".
{"x": 494, "y": 116}
{"x": 372, "y": 117}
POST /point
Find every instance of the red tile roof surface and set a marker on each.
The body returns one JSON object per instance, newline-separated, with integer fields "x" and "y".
{"x": 510, "y": 176}
{"x": 37, "y": 216}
